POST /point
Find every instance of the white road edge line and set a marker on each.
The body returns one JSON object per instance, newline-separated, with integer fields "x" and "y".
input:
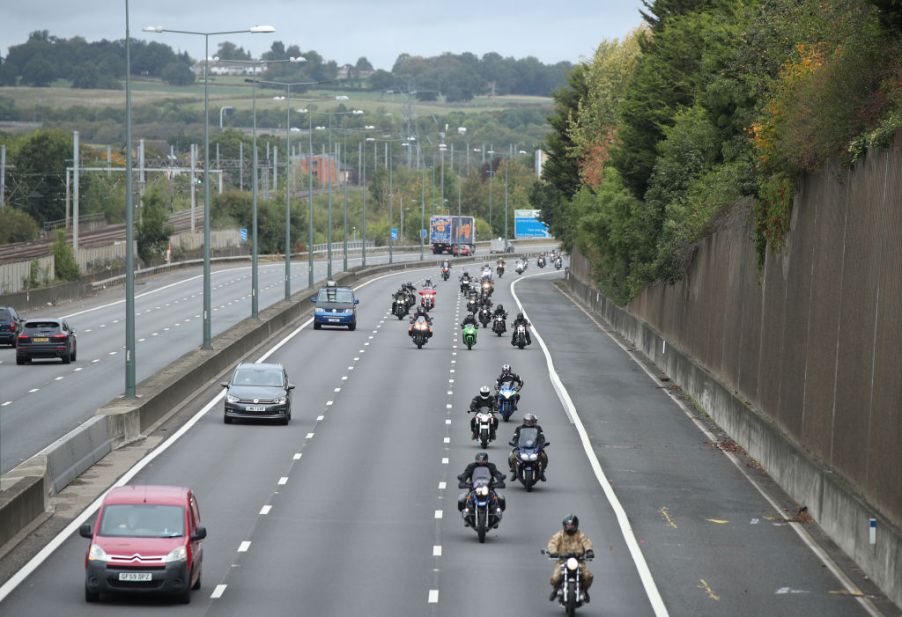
{"x": 648, "y": 582}
{"x": 25, "y": 571}
{"x": 831, "y": 565}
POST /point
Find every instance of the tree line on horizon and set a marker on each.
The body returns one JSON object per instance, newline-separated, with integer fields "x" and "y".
{"x": 43, "y": 60}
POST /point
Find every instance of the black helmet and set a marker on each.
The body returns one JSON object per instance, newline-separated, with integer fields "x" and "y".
{"x": 520, "y": 316}
{"x": 482, "y": 458}
{"x": 506, "y": 368}
{"x": 499, "y": 307}
{"x": 530, "y": 419}
{"x": 484, "y": 391}
{"x": 571, "y": 524}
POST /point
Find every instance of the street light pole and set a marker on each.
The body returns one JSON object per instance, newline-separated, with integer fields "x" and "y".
{"x": 422, "y": 204}
{"x": 310, "y": 200}
{"x": 207, "y": 308}
{"x": 130, "y": 386}
{"x": 288, "y": 192}
{"x": 255, "y": 283}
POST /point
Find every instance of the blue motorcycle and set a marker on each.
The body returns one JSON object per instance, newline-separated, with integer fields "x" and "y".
{"x": 528, "y": 459}
{"x": 507, "y": 398}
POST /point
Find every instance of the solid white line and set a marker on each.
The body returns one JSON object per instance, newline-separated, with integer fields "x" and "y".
{"x": 218, "y": 591}
{"x": 648, "y": 582}
{"x": 242, "y": 548}
{"x": 265, "y": 509}
{"x": 16, "y": 579}
{"x": 800, "y": 530}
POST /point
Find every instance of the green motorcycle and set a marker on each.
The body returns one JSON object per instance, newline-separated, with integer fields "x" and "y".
{"x": 469, "y": 335}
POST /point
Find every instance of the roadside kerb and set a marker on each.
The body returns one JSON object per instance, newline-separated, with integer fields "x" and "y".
{"x": 26, "y": 490}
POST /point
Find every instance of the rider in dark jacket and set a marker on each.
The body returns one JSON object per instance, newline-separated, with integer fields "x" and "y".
{"x": 471, "y": 319}
{"x": 520, "y": 320}
{"x": 509, "y": 376}
{"x": 482, "y": 460}
{"x": 529, "y": 421}
{"x": 483, "y": 400}
{"x": 420, "y": 312}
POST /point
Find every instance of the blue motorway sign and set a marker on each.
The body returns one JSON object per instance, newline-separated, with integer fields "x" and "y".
{"x": 422, "y": 234}
{"x": 528, "y": 225}
{"x": 394, "y": 233}
{"x": 243, "y": 233}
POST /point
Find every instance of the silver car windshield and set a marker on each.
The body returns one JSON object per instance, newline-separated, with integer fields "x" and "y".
{"x": 257, "y": 377}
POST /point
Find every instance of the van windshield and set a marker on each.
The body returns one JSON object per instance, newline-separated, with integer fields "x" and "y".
{"x": 335, "y": 295}
{"x": 142, "y": 521}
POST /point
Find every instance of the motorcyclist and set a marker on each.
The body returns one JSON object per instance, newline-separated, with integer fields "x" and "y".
{"x": 487, "y": 272}
{"x": 570, "y": 540}
{"x": 482, "y": 460}
{"x": 420, "y": 312}
{"x": 529, "y": 421}
{"x": 446, "y": 264}
{"x": 520, "y": 320}
{"x": 428, "y": 284}
{"x": 471, "y": 319}
{"x": 499, "y": 310}
{"x": 483, "y": 400}
{"x": 509, "y": 376}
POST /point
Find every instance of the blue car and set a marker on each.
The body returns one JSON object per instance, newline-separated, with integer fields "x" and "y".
{"x": 335, "y": 306}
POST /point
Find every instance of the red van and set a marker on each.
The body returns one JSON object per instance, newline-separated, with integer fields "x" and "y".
{"x": 146, "y": 539}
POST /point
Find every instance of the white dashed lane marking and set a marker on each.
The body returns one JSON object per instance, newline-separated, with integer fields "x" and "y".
{"x": 242, "y": 548}
{"x": 265, "y": 510}
{"x": 283, "y": 481}
{"x": 218, "y": 591}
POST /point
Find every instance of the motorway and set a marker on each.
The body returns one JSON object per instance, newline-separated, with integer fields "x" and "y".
{"x": 351, "y": 508}
{"x": 41, "y": 402}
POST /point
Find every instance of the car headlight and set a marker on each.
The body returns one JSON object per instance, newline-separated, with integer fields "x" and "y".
{"x": 95, "y": 553}
{"x": 281, "y": 400}
{"x": 231, "y": 398}
{"x": 319, "y": 311}
{"x": 176, "y": 554}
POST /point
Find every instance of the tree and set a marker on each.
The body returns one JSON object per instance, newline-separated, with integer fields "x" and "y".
{"x": 363, "y": 65}
{"x": 230, "y": 51}
{"x": 39, "y": 163}
{"x": 562, "y": 168}
{"x": 153, "y": 230}
{"x": 177, "y": 74}
{"x": 65, "y": 266}
{"x": 38, "y": 72}
{"x": 17, "y": 226}
{"x": 380, "y": 80}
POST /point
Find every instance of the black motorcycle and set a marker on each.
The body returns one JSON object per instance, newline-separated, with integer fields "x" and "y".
{"x": 528, "y": 457}
{"x": 520, "y": 336}
{"x": 499, "y": 269}
{"x": 420, "y": 332}
{"x": 485, "y": 316}
{"x": 570, "y": 594}
{"x": 464, "y": 286}
{"x": 472, "y": 304}
{"x": 499, "y": 326}
{"x": 399, "y": 307}
{"x": 481, "y": 507}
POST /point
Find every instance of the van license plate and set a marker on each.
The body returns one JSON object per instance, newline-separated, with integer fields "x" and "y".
{"x": 256, "y": 408}
{"x": 334, "y": 320}
{"x": 142, "y": 577}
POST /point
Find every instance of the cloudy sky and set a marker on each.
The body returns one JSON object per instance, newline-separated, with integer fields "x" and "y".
{"x": 343, "y": 30}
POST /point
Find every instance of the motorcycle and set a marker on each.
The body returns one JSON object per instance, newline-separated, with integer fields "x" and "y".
{"x": 446, "y": 274}
{"x": 485, "y": 316}
{"x": 420, "y": 332}
{"x": 484, "y": 431}
{"x": 472, "y": 304}
{"x": 507, "y": 396}
{"x": 464, "y": 286}
{"x": 469, "y": 335}
{"x": 499, "y": 327}
{"x": 399, "y": 308}
{"x": 528, "y": 457}
{"x": 520, "y": 267}
{"x": 520, "y": 336}
{"x": 427, "y": 299}
{"x": 487, "y": 288}
{"x": 540, "y": 261}
{"x": 570, "y": 593}
{"x": 499, "y": 269}
{"x": 481, "y": 507}
{"x": 558, "y": 263}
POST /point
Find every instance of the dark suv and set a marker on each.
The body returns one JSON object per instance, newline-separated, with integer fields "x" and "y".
{"x": 10, "y": 325}
{"x": 46, "y": 338}
{"x": 258, "y": 392}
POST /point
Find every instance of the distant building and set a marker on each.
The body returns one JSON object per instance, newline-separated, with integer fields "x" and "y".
{"x": 226, "y": 68}
{"x": 324, "y": 168}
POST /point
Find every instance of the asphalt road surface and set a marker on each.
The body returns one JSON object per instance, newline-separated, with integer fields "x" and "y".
{"x": 41, "y": 402}
{"x": 351, "y": 508}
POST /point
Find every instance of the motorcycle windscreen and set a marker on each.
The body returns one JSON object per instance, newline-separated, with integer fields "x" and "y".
{"x": 529, "y": 437}
{"x": 481, "y": 474}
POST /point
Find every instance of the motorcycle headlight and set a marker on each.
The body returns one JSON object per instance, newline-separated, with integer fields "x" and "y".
{"x": 232, "y": 398}
{"x": 95, "y": 553}
{"x": 176, "y": 554}
{"x": 533, "y": 457}
{"x": 482, "y": 491}
{"x": 524, "y": 456}
{"x": 572, "y": 564}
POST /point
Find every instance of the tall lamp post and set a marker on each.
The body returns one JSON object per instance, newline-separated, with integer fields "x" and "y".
{"x": 130, "y": 386}
{"x": 207, "y": 312}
